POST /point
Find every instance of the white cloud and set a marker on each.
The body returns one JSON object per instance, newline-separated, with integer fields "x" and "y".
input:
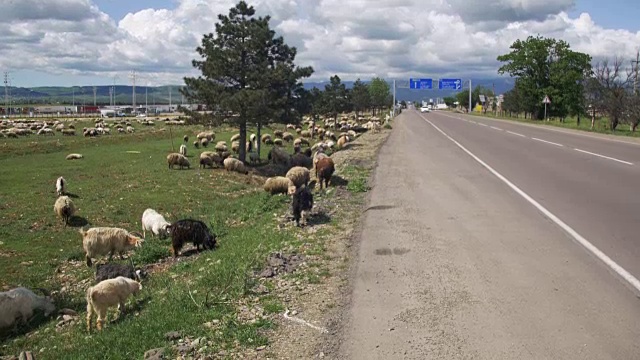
{"x": 359, "y": 38}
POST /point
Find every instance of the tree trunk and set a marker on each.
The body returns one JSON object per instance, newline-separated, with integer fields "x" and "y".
{"x": 593, "y": 119}
{"x": 634, "y": 125}
{"x": 258, "y": 136}
{"x": 243, "y": 141}
{"x": 578, "y": 121}
{"x": 613, "y": 123}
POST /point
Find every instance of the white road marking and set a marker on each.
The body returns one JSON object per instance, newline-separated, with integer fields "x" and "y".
{"x": 548, "y": 142}
{"x": 482, "y": 124}
{"x": 515, "y": 133}
{"x": 495, "y": 128}
{"x": 624, "y": 274}
{"x": 604, "y": 157}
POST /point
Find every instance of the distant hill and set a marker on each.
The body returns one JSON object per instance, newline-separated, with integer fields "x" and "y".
{"x": 160, "y": 95}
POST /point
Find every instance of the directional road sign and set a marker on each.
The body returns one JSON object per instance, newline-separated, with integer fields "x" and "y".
{"x": 450, "y": 84}
{"x": 421, "y": 84}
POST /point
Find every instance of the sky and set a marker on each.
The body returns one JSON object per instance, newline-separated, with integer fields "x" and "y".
{"x": 99, "y": 42}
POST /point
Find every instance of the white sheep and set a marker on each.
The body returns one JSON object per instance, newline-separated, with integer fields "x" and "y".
{"x": 183, "y": 150}
{"x": 74, "y": 156}
{"x": 232, "y": 164}
{"x": 17, "y": 305}
{"x": 109, "y": 293}
{"x": 130, "y": 129}
{"x": 64, "y": 208}
{"x": 107, "y": 240}
{"x": 178, "y": 159}
{"x": 279, "y": 185}
{"x": 60, "y": 186}
{"x": 156, "y": 223}
{"x": 299, "y": 175}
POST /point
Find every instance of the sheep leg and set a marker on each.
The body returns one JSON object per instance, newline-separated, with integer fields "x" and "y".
{"x": 102, "y": 317}
{"x": 88, "y": 317}
{"x": 111, "y": 255}
{"x": 121, "y": 255}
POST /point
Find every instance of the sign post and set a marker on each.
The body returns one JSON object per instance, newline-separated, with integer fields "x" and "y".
{"x": 546, "y": 101}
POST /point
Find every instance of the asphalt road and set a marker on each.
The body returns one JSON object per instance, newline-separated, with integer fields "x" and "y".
{"x": 455, "y": 264}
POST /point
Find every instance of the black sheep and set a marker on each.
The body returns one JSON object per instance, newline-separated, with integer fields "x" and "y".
{"x": 113, "y": 270}
{"x": 302, "y": 201}
{"x": 193, "y": 231}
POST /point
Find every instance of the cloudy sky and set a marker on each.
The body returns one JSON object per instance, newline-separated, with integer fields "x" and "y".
{"x": 89, "y": 42}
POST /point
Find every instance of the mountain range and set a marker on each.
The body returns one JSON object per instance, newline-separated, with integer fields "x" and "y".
{"x": 83, "y": 95}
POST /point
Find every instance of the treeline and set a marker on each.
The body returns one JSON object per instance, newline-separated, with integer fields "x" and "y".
{"x": 577, "y": 88}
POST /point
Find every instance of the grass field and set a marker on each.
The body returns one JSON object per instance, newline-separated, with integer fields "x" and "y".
{"x": 601, "y": 124}
{"x": 120, "y": 176}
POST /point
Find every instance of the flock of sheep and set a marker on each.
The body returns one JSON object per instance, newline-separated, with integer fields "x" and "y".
{"x": 116, "y": 282}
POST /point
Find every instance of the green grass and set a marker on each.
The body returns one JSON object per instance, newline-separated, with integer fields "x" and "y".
{"x": 601, "y": 124}
{"x": 358, "y": 179}
{"x": 113, "y": 188}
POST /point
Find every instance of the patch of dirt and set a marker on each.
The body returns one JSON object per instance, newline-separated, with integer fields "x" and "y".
{"x": 312, "y": 310}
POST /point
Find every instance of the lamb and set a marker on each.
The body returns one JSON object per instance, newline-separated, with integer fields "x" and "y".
{"x": 109, "y": 293}
{"x": 60, "y": 186}
{"x": 64, "y": 208}
{"x": 324, "y": 170}
{"x": 301, "y": 204}
{"x": 183, "y": 150}
{"x": 178, "y": 159}
{"x": 194, "y": 231}
{"x": 153, "y": 221}
{"x": 113, "y": 270}
{"x": 300, "y": 159}
{"x": 232, "y": 164}
{"x": 279, "y": 185}
{"x": 299, "y": 175}
{"x": 107, "y": 240}
{"x": 74, "y": 156}
{"x": 17, "y": 305}
{"x": 279, "y": 157}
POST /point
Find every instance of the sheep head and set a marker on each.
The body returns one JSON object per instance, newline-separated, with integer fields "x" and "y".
{"x": 135, "y": 240}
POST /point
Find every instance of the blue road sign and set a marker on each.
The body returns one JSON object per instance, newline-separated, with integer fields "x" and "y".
{"x": 421, "y": 84}
{"x": 450, "y": 84}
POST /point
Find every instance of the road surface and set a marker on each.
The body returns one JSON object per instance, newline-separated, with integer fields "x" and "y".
{"x": 455, "y": 264}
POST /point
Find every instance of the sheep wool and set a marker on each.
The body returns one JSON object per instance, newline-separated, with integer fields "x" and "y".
{"x": 324, "y": 170}
{"x": 235, "y": 137}
{"x": 109, "y": 293}
{"x": 300, "y": 159}
{"x": 178, "y": 159}
{"x": 287, "y": 137}
{"x": 107, "y": 240}
{"x": 18, "y": 305}
{"x": 60, "y": 186}
{"x": 183, "y": 150}
{"x": 231, "y": 164}
{"x": 74, "y": 156}
{"x": 279, "y": 185}
{"x": 64, "y": 208}
{"x": 299, "y": 175}
{"x": 156, "y": 223}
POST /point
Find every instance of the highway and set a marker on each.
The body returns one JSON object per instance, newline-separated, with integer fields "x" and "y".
{"x": 476, "y": 245}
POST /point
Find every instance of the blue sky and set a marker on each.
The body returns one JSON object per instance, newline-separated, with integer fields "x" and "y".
{"x": 117, "y": 9}
{"x": 613, "y": 14}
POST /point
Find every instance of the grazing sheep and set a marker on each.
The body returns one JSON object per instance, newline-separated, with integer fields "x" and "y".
{"x": 185, "y": 138}
{"x": 278, "y": 142}
{"x": 196, "y": 144}
{"x": 113, "y": 270}
{"x": 266, "y": 138}
{"x": 205, "y": 161}
{"x": 153, "y": 221}
{"x": 278, "y": 133}
{"x": 296, "y": 149}
{"x": 69, "y": 132}
{"x": 107, "y": 240}
{"x": 178, "y": 159}
{"x": 193, "y": 231}
{"x": 300, "y": 159}
{"x": 299, "y": 175}
{"x": 221, "y": 147}
{"x": 64, "y": 208}
{"x": 279, "y": 185}
{"x": 235, "y": 137}
{"x": 60, "y": 186}
{"x": 109, "y": 293}
{"x": 324, "y": 170}
{"x": 342, "y": 142}
{"x": 254, "y": 157}
{"x": 130, "y": 129}
{"x": 232, "y": 164}
{"x": 291, "y": 126}
{"x": 305, "y": 133}
{"x": 235, "y": 146}
{"x": 253, "y": 137}
{"x": 279, "y": 157}
{"x": 210, "y": 136}
{"x": 287, "y": 137}
{"x": 74, "y": 156}
{"x": 216, "y": 157}
{"x": 301, "y": 204}
{"x": 204, "y": 142}
{"x": 17, "y": 305}
{"x": 183, "y": 150}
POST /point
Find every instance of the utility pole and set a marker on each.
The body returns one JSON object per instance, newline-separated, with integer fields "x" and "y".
{"x": 95, "y": 92}
{"x": 635, "y": 81}
{"x": 146, "y": 98}
{"x": 469, "y": 96}
{"x": 6, "y": 92}
{"x": 133, "y": 92}
{"x": 169, "y": 98}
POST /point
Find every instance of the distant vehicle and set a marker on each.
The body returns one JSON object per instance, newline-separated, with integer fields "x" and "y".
{"x": 142, "y": 115}
{"x": 424, "y": 109}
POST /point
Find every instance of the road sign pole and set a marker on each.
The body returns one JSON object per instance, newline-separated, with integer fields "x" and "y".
{"x": 469, "y": 96}
{"x": 545, "y": 111}
{"x": 394, "y": 97}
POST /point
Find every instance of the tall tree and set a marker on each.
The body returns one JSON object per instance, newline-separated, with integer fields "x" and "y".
{"x": 360, "y": 97}
{"x": 609, "y": 91}
{"x": 380, "y": 91}
{"x": 246, "y": 70}
{"x": 335, "y": 97}
{"x": 545, "y": 66}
